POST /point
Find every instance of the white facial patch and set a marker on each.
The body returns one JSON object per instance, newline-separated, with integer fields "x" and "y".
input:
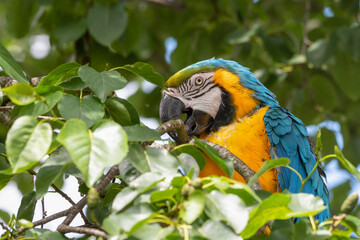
{"x": 199, "y": 92}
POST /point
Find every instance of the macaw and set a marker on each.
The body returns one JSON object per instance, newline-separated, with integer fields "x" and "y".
{"x": 227, "y": 105}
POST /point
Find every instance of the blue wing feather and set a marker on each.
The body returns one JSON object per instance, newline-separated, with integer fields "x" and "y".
{"x": 288, "y": 136}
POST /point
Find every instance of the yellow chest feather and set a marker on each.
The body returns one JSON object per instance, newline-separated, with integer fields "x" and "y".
{"x": 247, "y": 139}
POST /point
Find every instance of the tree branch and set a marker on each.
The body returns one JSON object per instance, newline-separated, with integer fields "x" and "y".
{"x": 6, "y": 81}
{"x": 64, "y": 195}
{"x": 86, "y": 230}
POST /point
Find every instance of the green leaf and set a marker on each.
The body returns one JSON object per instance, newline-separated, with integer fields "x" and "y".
{"x": 27, "y": 207}
{"x": 39, "y": 107}
{"x": 282, "y": 206}
{"x": 241, "y": 35}
{"x": 107, "y": 23}
{"x": 193, "y": 207}
{"x": 146, "y": 181}
{"x": 27, "y": 142}
{"x": 346, "y": 163}
{"x": 214, "y": 230}
{"x": 93, "y": 151}
{"x": 4, "y": 216}
{"x": 220, "y": 206}
{"x": 19, "y": 16}
{"x": 160, "y": 161}
{"x": 88, "y": 108}
{"x": 325, "y": 93}
{"x": 268, "y": 165}
{"x": 25, "y": 223}
{"x": 21, "y": 93}
{"x": 130, "y": 220}
{"x": 214, "y": 155}
{"x": 154, "y": 160}
{"x": 302, "y": 204}
{"x": 122, "y": 111}
{"x": 189, "y": 164}
{"x": 124, "y": 198}
{"x": 152, "y": 232}
{"x": 10, "y": 66}
{"x": 163, "y": 195}
{"x": 139, "y": 133}
{"x": 345, "y": 73}
{"x": 319, "y": 52}
{"x": 353, "y": 223}
{"x": 102, "y": 83}
{"x": 60, "y": 75}
{"x": 138, "y": 158}
{"x": 128, "y": 172}
{"x": 70, "y": 31}
{"x": 4, "y": 180}
{"x": 147, "y": 72}
{"x": 53, "y": 168}
{"x": 110, "y": 194}
{"x": 74, "y": 83}
{"x": 194, "y": 152}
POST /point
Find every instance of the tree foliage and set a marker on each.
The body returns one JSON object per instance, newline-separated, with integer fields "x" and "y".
{"x": 71, "y": 124}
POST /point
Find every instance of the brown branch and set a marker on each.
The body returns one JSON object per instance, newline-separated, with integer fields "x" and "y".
{"x": 74, "y": 210}
{"x": 46, "y": 220}
{"x": 86, "y": 230}
{"x": 43, "y": 210}
{"x": 64, "y": 195}
{"x": 7, "y": 107}
{"x": 4, "y": 226}
{"x": 6, "y": 81}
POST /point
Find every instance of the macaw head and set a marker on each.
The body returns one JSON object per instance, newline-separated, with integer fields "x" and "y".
{"x": 213, "y": 93}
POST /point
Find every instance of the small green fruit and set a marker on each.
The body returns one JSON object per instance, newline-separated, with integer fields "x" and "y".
{"x": 197, "y": 183}
{"x": 92, "y": 198}
{"x": 187, "y": 190}
{"x": 350, "y": 203}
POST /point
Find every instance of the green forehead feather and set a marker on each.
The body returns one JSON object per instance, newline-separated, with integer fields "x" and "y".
{"x": 184, "y": 74}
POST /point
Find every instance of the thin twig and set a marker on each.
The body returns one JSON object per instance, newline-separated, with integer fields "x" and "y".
{"x": 46, "y": 220}
{"x": 7, "y": 107}
{"x": 64, "y": 195}
{"x": 43, "y": 210}
{"x": 74, "y": 210}
{"x": 4, "y": 226}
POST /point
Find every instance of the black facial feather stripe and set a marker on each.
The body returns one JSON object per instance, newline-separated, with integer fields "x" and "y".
{"x": 204, "y": 92}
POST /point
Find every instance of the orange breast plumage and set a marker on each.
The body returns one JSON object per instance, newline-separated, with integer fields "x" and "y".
{"x": 247, "y": 139}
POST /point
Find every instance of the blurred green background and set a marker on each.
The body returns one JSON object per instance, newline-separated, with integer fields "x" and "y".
{"x": 306, "y": 52}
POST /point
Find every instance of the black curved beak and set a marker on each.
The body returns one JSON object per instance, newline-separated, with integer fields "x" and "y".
{"x": 197, "y": 121}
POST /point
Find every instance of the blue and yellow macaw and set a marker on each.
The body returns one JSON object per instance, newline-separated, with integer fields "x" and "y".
{"x": 227, "y": 105}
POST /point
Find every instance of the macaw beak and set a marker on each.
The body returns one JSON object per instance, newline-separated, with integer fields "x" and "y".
{"x": 196, "y": 122}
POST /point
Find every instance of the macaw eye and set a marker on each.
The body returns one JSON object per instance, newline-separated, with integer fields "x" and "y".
{"x": 198, "y": 81}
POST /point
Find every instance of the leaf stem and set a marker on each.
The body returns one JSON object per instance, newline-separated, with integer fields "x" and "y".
{"x": 312, "y": 221}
